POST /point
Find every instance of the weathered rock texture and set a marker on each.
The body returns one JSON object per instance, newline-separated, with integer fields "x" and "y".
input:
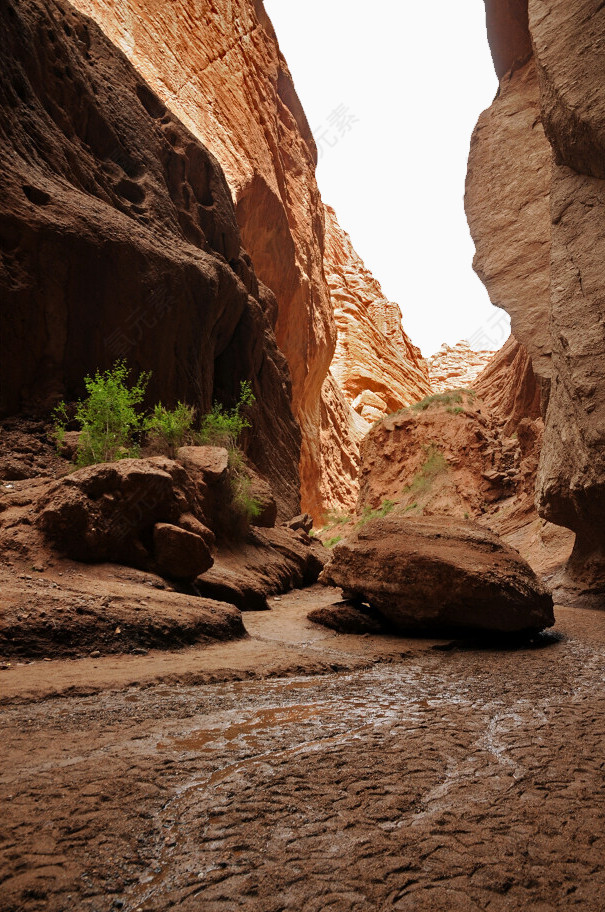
{"x": 447, "y": 458}
{"x": 437, "y": 575}
{"x": 508, "y": 210}
{"x": 536, "y": 165}
{"x": 375, "y": 364}
{"x": 456, "y": 366}
{"x": 119, "y": 239}
{"x": 509, "y": 386}
{"x": 218, "y": 67}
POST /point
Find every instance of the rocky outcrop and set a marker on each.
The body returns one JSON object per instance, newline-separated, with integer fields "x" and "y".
{"x": 537, "y": 165}
{"x": 268, "y": 563}
{"x": 508, "y": 209}
{"x": 119, "y": 239}
{"x": 219, "y": 69}
{"x": 456, "y": 366}
{"x": 509, "y": 386}
{"x": 375, "y": 364}
{"x": 438, "y": 575}
{"x": 443, "y": 456}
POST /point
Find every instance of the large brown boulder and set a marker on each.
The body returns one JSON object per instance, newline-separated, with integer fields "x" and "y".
{"x": 179, "y": 553}
{"x": 439, "y": 575}
{"x": 128, "y": 512}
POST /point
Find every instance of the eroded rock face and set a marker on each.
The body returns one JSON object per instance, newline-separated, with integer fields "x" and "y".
{"x": 548, "y": 124}
{"x": 449, "y": 458}
{"x": 375, "y": 363}
{"x": 439, "y": 575}
{"x": 507, "y": 204}
{"x": 456, "y": 366}
{"x": 509, "y": 386}
{"x": 198, "y": 58}
{"x": 119, "y": 239}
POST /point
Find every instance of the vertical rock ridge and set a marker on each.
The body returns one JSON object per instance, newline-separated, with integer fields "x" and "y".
{"x": 537, "y": 156}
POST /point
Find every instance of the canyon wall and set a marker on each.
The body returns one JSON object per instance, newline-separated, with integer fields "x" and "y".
{"x": 218, "y": 67}
{"x": 118, "y": 239}
{"x": 536, "y": 207}
{"x": 375, "y": 364}
{"x": 456, "y": 366}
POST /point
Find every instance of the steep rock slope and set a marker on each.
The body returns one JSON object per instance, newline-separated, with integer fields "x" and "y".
{"x": 218, "y": 67}
{"x": 537, "y": 163}
{"x": 509, "y": 386}
{"x": 119, "y": 239}
{"x": 455, "y": 366}
{"x": 375, "y": 363}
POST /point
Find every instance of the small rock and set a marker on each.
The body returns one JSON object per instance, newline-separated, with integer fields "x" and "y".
{"x": 95, "y": 654}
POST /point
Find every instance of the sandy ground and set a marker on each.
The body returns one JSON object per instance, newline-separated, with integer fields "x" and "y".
{"x": 302, "y": 770}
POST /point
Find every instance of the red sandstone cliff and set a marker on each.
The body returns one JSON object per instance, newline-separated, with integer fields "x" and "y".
{"x": 119, "y": 239}
{"x": 536, "y": 207}
{"x": 456, "y": 366}
{"x": 218, "y": 67}
{"x": 375, "y": 364}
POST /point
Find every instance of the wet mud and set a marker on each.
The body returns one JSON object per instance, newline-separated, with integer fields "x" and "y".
{"x": 458, "y": 779}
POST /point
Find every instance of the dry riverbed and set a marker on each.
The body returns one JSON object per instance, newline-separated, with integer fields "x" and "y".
{"x": 301, "y": 770}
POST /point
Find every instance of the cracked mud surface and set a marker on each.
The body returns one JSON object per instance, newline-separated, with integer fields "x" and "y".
{"x": 448, "y": 780}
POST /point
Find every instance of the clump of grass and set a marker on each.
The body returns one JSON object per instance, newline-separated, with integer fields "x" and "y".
{"x": 450, "y": 398}
{"x": 368, "y": 514}
{"x": 434, "y": 464}
{"x": 333, "y": 541}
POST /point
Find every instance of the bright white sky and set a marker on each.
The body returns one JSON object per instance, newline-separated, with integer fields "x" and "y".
{"x": 392, "y": 93}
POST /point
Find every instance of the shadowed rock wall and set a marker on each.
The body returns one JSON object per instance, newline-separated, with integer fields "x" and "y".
{"x": 119, "y": 239}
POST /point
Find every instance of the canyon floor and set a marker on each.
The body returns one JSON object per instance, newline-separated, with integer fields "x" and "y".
{"x": 302, "y": 770}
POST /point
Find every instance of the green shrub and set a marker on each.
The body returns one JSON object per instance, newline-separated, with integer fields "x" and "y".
{"x": 109, "y": 418}
{"x": 333, "y": 541}
{"x": 223, "y": 427}
{"x": 171, "y": 429}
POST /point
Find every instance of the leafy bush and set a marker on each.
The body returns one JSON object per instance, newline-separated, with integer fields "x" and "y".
{"x": 223, "y": 427}
{"x": 109, "y": 418}
{"x": 171, "y": 429}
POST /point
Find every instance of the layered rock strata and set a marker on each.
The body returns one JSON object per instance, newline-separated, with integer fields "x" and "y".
{"x": 456, "y": 366}
{"x": 218, "y": 67}
{"x": 119, "y": 240}
{"x": 537, "y": 165}
{"x": 509, "y": 386}
{"x": 375, "y": 364}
